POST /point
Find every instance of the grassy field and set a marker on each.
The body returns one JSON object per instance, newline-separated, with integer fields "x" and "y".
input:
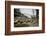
{"x": 25, "y": 22}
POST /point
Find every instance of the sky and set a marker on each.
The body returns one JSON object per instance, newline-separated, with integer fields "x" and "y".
{"x": 28, "y": 12}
